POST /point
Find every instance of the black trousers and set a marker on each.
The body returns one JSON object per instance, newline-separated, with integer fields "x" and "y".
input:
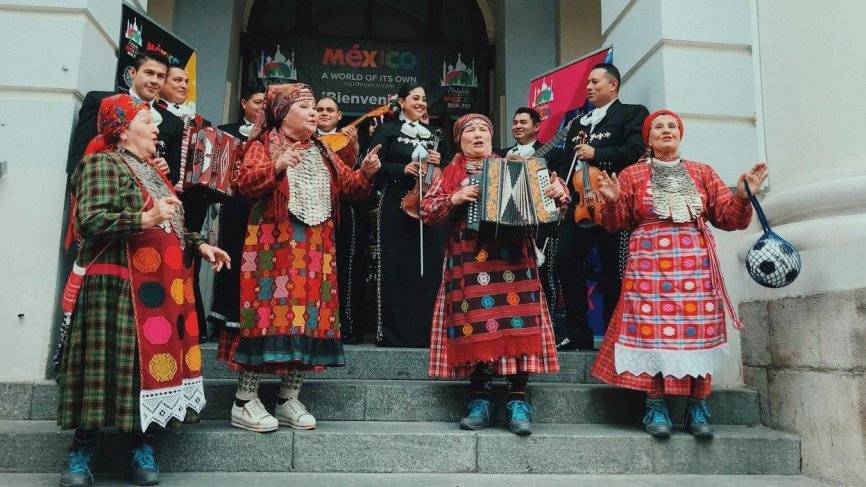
{"x": 575, "y": 244}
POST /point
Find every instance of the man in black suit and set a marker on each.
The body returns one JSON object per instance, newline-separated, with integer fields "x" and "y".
{"x": 148, "y": 77}
{"x": 524, "y": 128}
{"x": 233, "y": 223}
{"x": 252, "y": 99}
{"x": 614, "y": 142}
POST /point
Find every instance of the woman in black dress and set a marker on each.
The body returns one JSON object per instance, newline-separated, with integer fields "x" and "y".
{"x": 404, "y": 299}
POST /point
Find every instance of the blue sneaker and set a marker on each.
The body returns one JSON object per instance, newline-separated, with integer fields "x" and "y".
{"x": 657, "y": 418}
{"x": 144, "y": 470}
{"x": 520, "y": 423}
{"x": 479, "y": 415}
{"x": 77, "y": 473}
{"x": 698, "y": 419}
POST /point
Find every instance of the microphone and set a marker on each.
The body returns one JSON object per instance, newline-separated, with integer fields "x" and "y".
{"x": 160, "y": 149}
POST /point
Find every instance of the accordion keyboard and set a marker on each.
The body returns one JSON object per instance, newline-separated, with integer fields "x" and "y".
{"x": 473, "y": 212}
{"x": 543, "y": 183}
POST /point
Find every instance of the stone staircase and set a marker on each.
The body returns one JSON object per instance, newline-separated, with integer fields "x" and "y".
{"x": 382, "y": 413}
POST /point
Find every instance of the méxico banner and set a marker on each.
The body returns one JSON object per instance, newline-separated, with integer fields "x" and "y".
{"x": 139, "y": 33}
{"x": 560, "y": 94}
{"x": 360, "y": 75}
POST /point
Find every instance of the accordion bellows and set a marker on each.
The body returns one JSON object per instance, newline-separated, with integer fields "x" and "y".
{"x": 511, "y": 195}
{"x": 212, "y": 159}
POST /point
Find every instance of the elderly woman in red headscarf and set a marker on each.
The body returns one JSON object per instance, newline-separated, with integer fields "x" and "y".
{"x": 131, "y": 357}
{"x": 668, "y": 332}
{"x": 289, "y": 319}
{"x": 490, "y": 316}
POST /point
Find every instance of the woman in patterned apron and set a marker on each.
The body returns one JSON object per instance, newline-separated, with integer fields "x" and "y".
{"x": 490, "y": 316}
{"x": 668, "y": 333}
{"x": 131, "y": 357}
{"x": 289, "y": 319}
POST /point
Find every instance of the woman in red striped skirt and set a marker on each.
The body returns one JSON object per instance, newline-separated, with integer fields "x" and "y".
{"x": 490, "y": 316}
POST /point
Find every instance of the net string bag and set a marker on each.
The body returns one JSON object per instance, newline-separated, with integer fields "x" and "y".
{"x": 772, "y": 261}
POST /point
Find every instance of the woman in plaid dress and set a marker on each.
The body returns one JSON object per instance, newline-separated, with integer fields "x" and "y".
{"x": 668, "y": 332}
{"x": 490, "y": 316}
{"x": 119, "y": 202}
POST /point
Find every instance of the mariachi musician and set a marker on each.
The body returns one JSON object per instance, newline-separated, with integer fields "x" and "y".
{"x": 404, "y": 298}
{"x": 524, "y": 129}
{"x": 233, "y": 222}
{"x": 614, "y": 137}
{"x": 353, "y": 230}
{"x": 149, "y": 71}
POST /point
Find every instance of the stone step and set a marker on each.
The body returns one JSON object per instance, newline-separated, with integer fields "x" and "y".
{"x": 400, "y": 447}
{"x": 270, "y": 479}
{"x": 406, "y": 400}
{"x": 371, "y": 362}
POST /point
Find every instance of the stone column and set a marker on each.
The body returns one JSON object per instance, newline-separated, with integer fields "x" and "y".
{"x": 55, "y": 52}
{"x": 805, "y": 345}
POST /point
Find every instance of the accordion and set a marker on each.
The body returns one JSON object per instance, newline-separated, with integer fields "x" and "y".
{"x": 212, "y": 159}
{"x": 511, "y": 196}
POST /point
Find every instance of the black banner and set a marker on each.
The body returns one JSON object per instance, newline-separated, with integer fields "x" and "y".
{"x": 361, "y": 75}
{"x": 137, "y": 33}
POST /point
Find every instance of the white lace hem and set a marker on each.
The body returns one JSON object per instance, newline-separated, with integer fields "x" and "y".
{"x": 161, "y": 405}
{"x": 676, "y": 363}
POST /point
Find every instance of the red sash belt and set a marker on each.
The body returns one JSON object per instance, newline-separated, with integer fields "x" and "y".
{"x": 108, "y": 270}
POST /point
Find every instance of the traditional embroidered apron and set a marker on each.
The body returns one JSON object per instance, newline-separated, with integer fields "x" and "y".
{"x": 166, "y": 326}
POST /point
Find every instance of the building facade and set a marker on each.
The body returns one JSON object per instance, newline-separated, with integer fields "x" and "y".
{"x": 772, "y": 80}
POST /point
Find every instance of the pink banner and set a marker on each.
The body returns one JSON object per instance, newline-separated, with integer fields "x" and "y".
{"x": 561, "y": 92}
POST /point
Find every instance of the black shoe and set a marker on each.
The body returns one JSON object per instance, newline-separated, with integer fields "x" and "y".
{"x": 77, "y": 472}
{"x": 479, "y": 416}
{"x": 566, "y": 345}
{"x": 698, "y": 420}
{"x": 144, "y": 470}
{"x": 657, "y": 419}
{"x": 520, "y": 423}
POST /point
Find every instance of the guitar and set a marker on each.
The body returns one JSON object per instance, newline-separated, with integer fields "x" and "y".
{"x": 559, "y": 137}
{"x": 339, "y": 141}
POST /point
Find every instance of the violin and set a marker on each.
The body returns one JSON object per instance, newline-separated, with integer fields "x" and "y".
{"x": 427, "y": 175}
{"x": 339, "y": 141}
{"x": 587, "y": 211}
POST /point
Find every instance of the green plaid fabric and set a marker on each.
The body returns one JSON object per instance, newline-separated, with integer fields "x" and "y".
{"x": 99, "y": 379}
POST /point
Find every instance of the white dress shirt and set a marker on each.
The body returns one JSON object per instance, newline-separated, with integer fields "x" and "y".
{"x": 595, "y": 116}
{"x": 246, "y": 129}
{"x": 523, "y": 150}
{"x": 157, "y": 118}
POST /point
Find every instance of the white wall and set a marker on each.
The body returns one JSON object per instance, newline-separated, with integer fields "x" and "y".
{"x": 53, "y": 53}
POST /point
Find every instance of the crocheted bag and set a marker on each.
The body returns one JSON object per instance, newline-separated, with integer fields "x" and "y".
{"x": 772, "y": 261}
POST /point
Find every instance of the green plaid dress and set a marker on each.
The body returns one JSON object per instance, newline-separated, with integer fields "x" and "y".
{"x": 99, "y": 378}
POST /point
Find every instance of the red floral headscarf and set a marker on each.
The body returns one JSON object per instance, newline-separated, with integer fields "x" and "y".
{"x": 278, "y": 100}
{"x": 464, "y": 121}
{"x": 648, "y": 121}
{"x": 115, "y": 115}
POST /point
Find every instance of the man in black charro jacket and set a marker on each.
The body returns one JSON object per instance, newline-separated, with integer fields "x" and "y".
{"x": 148, "y": 78}
{"x": 614, "y": 142}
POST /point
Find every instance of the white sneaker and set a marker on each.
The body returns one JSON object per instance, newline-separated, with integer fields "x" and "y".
{"x": 253, "y": 417}
{"x": 293, "y": 414}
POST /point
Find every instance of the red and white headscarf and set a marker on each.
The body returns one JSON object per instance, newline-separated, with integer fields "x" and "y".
{"x": 116, "y": 113}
